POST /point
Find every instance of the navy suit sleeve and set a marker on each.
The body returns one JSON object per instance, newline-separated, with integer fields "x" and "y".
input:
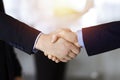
{"x": 17, "y": 33}
{"x": 102, "y": 38}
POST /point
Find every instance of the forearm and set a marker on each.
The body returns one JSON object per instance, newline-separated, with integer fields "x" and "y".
{"x": 17, "y": 33}
{"x": 101, "y": 38}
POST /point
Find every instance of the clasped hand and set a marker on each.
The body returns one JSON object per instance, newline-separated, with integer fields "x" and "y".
{"x": 61, "y": 45}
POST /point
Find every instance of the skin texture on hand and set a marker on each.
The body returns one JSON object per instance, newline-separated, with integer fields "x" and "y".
{"x": 68, "y": 35}
{"x": 61, "y": 49}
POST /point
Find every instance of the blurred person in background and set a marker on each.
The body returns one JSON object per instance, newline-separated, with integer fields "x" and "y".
{"x": 47, "y": 69}
{"x": 10, "y": 68}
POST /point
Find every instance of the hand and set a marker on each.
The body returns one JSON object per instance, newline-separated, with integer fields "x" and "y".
{"x": 18, "y": 78}
{"x": 60, "y": 49}
{"x": 68, "y": 35}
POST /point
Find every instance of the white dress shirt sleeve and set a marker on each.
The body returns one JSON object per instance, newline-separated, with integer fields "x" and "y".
{"x": 34, "y": 49}
{"x": 80, "y": 38}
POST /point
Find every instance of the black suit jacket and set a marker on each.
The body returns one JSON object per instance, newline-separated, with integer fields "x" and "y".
{"x": 102, "y": 38}
{"x": 9, "y": 64}
{"x": 16, "y": 33}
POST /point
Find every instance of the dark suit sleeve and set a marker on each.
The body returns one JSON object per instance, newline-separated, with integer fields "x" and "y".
{"x": 17, "y": 33}
{"x": 102, "y": 38}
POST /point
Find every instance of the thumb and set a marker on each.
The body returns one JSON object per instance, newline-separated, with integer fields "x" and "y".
{"x": 77, "y": 44}
{"x": 69, "y": 36}
{"x": 55, "y": 38}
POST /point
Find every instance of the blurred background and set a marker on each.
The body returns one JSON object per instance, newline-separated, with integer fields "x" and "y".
{"x": 48, "y": 15}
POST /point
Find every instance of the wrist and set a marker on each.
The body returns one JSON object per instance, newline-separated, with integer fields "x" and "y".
{"x": 40, "y": 42}
{"x": 43, "y": 42}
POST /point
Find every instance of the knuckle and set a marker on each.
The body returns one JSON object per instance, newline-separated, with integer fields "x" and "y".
{"x": 77, "y": 50}
{"x": 72, "y": 55}
{"x": 68, "y": 45}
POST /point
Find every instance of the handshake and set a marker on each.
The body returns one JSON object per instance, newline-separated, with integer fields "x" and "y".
{"x": 59, "y": 46}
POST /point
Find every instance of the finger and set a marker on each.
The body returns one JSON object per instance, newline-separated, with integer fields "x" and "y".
{"x": 72, "y": 55}
{"x": 63, "y": 60}
{"x": 69, "y": 36}
{"x": 57, "y": 61}
{"x": 54, "y": 58}
{"x": 64, "y": 29}
{"x": 49, "y": 56}
{"x": 74, "y": 49}
{"x": 45, "y": 54}
{"x": 55, "y": 38}
{"x": 77, "y": 44}
{"x": 67, "y": 58}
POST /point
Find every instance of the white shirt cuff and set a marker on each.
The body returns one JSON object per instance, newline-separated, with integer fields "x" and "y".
{"x": 80, "y": 38}
{"x": 34, "y": 49}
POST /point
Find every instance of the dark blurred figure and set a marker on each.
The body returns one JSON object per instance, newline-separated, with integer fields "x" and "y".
{"x": 10, "y": 68}
{"x": 47, "y": 69}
